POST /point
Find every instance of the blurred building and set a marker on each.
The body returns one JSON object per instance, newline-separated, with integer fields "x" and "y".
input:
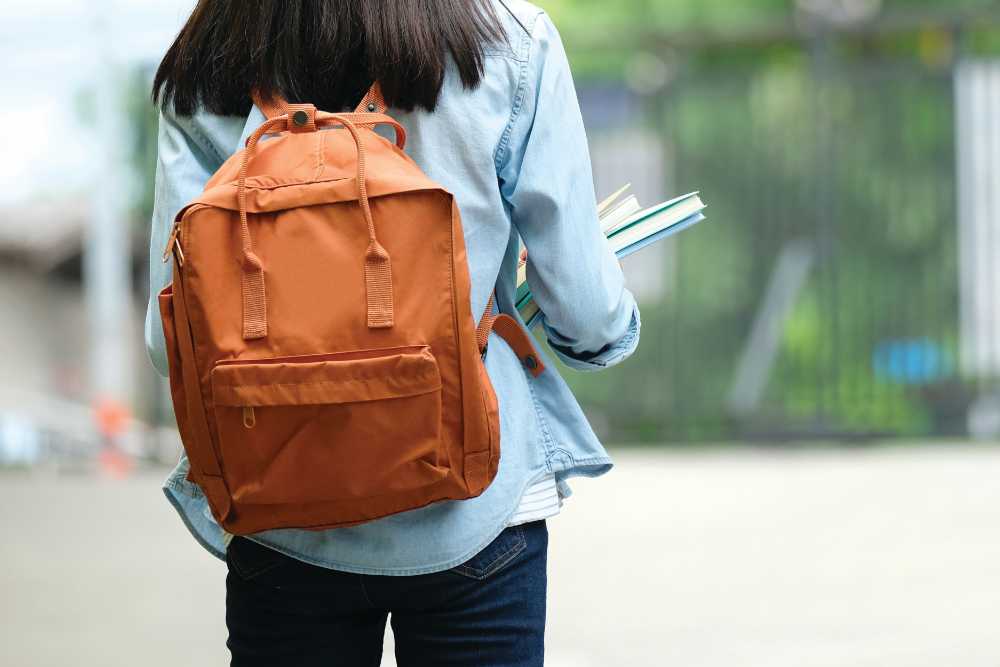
{"x": 67, "y": 61}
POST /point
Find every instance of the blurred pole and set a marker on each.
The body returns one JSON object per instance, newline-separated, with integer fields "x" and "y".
{"x": 106, "y": 262}
{"x": 761, "y": 350}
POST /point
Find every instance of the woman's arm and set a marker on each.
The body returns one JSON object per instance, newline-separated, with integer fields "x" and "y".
{"x": 189, "y": 150}
{"x": 590, "y": 318}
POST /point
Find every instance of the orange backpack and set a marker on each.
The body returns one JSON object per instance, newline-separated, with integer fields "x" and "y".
{"x": 325, "y": 366}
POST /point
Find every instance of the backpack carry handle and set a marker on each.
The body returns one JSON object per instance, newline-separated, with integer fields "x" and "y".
{"x": 369, "y": 112}
{"x": 378, "y": 273}
{"x": 325, "y": 119}
{"x": 368, "y": 120}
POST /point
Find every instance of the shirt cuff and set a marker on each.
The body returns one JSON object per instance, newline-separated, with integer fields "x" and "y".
{"x": 606, "y": 357}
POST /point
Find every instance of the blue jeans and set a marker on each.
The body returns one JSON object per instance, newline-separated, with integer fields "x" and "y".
{"x": 487, "y": 612}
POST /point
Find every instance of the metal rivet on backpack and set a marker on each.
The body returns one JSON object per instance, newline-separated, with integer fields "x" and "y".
{"x": 300, "y": 118}
{"x": 372, "y": 107}
{"x": 530, "y": 362}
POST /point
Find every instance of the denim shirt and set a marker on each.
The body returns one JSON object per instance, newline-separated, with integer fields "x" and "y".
{"x": 514, "y": 154}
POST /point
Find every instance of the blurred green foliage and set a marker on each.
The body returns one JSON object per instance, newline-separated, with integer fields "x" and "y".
{"x": 142, "y": 144}
{"x": 603, "y": 37}
{"x": 846, "y": 144}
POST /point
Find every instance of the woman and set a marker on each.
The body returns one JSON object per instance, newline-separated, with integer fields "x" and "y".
{"x": 485, "y": 93}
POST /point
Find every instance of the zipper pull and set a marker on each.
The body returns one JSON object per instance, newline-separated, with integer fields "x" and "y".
{"x": 174, "y": 244}
{"x": 249, "y": 418}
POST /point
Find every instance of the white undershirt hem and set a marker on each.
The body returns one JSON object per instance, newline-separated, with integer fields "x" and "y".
{"x": 540, "y": 501}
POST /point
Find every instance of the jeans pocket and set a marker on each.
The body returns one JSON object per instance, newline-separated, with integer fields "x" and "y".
{"x": 497, "y": 555}
{"x": 249, "y": 560}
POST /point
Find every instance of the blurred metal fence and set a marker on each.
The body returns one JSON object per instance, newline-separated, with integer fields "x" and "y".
{"x": 847, "y": 282}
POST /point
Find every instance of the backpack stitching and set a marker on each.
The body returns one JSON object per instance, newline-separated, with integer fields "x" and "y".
{"x": 320, "y": 154}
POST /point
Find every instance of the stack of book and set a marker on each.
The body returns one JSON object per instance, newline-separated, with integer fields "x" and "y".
{"x": 629, "y": 228}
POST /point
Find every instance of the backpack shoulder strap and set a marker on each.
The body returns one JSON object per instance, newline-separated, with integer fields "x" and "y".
{"x": 373, "y": 101}
{"x": 513, "y": 334}
{"x": 272, "y": 107}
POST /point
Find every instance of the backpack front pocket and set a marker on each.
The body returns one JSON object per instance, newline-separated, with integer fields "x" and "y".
{"x": 328, "y": 428}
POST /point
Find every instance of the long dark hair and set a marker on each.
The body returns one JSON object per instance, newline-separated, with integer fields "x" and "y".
{"x": 325, "y": 52}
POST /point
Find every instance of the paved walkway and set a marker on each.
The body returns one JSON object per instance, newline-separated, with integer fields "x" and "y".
{"x": 885, "y": 557}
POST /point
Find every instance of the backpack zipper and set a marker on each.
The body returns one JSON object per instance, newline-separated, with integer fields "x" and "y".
{"x": 249, "y": 418}
{"x": 174, "y": 244}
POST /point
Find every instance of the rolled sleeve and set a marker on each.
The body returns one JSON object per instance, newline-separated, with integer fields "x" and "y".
{"x": 608, "y": 356}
